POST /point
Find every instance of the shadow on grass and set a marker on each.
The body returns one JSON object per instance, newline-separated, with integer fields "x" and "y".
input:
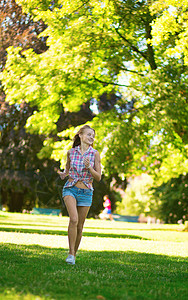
{"x": 63, "y": 232}
{"x": 3, "y": 216}
{"x": 31, "y": 271}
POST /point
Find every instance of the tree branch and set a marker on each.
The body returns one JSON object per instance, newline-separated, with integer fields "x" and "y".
{"x": 113, "y": 83}
{"x": 132, "y": 71}
{"x": 78, "y": 8}
{"x": 135, "y": 49}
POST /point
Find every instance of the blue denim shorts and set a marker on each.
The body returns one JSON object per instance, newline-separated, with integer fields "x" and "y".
{"x": 83, "y": 196}
{"x": 107, "y": 211}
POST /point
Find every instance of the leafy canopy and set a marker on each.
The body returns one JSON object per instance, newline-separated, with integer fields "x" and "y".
{"x": 107, "y": 47}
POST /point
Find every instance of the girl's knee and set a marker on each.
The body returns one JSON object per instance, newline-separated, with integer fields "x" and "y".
{"x": 74, "y": 221}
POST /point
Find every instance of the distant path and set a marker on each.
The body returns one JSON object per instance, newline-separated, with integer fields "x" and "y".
{"x": 125, "y": 218}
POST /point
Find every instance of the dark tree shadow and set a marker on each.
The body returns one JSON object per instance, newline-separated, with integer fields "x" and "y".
{"x": 64, "y": 232}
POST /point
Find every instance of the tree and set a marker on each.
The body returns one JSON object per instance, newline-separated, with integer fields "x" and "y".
{"x": 138, "y": 198}
{"x": 173, "y": 196}
{"x": 18, "y": 29}
{"x": 27, "y": 183}
{"x": 170, "y": 28}
{"x": 23, "y": 177}
{"x": 82, "y": 67}
{"x": 98, "y": 49}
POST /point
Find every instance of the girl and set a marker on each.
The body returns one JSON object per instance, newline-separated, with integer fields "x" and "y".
{"x": 83, "y": 164}
{"x": 107, "y": 204}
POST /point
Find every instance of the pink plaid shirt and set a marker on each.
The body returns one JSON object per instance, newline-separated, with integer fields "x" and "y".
{"x": 78, "y": 171}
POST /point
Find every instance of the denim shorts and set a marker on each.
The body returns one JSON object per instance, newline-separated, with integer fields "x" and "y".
{"x": 83, "y": 196}
{"x": 107, "y": 211}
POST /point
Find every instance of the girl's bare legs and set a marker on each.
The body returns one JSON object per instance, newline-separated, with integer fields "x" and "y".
{"x": 77, "y": 216}
{"x": 111, "y": 217}
{"x": 82, "y": 214}
{"x": 70, "y": 203}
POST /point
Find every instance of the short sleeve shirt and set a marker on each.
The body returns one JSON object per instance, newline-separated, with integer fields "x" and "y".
{"x": 108, "y": 203}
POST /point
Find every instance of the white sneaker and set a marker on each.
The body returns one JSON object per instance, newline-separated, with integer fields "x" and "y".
{"x": 70, "y": 259}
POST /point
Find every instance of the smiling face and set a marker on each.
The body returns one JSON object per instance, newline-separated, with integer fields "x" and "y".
{"x": 87, "y": 136}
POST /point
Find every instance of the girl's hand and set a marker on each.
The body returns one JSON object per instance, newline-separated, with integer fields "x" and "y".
{"x": 62, "y": 174}
{"x": 87, "y": 162}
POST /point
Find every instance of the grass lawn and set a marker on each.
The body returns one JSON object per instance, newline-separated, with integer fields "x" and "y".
{"x": 116, "y": 260}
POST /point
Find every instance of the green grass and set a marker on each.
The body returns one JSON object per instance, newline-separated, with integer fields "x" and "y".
{"x": 116, "y": 260}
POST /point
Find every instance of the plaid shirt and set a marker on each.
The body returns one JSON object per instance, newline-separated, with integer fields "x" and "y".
{"x": 78, "y": 171}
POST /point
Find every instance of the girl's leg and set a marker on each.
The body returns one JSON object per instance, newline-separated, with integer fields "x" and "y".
{"x": 111, "y": 217}
{"x": 82, "y": 214}
{"x": 70, "y": 203}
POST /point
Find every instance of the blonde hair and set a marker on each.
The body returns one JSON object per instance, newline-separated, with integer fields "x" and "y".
{"x": 76, "y": 139}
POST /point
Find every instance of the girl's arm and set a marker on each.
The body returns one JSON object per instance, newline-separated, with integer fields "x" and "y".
{"x": 67, "y": 167}
{"x": 96, "y": 171}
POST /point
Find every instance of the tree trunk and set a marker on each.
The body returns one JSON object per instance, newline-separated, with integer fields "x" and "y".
{"x": 150, "y": 52}
{"x": 16, "y": 200}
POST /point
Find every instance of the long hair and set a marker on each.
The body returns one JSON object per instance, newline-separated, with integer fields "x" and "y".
{"x": 76, "y": 138}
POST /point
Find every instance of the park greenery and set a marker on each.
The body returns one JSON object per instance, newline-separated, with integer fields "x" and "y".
{"x": 25, "y": 179}
{"x": 120, "y": 66}
{"x": 123, "y": 261}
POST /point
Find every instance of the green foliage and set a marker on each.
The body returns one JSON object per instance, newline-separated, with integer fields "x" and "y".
{"x": 174, "y": 164}
{"x": 82, "y": 59}
{"x": 171, "y": 27}
{"x": 110, "y": 48}
{"x": 24, "y": 178}
{"x": 18, "y": 29}
{"x": 138, "y": 198}
{"x": 173, "y": 196}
